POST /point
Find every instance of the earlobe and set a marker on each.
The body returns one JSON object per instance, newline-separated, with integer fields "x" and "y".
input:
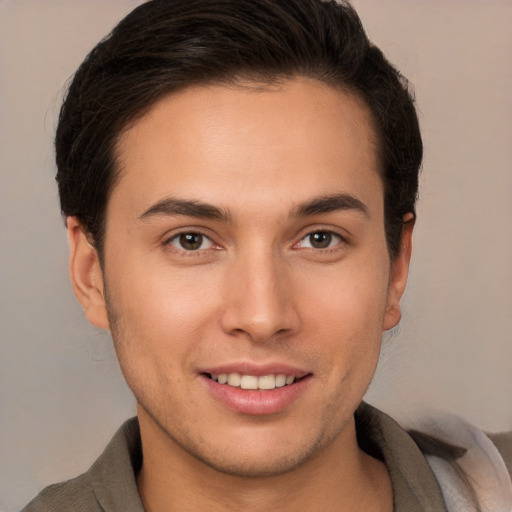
{"x": 86, "y": 275}
{"x": 399, "y": 274}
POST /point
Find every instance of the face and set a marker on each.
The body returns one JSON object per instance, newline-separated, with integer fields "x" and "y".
{"x": 246, "y": 272}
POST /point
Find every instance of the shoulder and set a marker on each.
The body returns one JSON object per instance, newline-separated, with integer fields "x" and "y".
{"x": 503, "y": 443}
{"x": 109, "y": 484}
{"x": 444, "y": 452}
{"x": 471, "y": 467}
{"x": 73, "y": 495}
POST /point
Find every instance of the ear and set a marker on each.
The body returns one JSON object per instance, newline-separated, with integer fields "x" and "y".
{"x": 399, "y": 274}
{"x": 86, "y": 275}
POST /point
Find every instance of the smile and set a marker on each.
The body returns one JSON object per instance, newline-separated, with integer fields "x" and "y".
{"x": 264, "y": 382}
{"x": 249, "y": 389}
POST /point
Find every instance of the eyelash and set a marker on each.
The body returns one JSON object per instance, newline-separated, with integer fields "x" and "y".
{"x": 331, "y": 235}
{"x": 189, "y": 252}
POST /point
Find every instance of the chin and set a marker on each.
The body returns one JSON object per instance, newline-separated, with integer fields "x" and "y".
{"x": 256, "y": 455}
{"x": 245, "y": 464}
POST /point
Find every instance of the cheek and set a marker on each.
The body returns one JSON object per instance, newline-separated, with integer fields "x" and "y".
{"x": 344, "y": 312}
{"x": 350, "y": 297}
{"x": 159, "y": 313}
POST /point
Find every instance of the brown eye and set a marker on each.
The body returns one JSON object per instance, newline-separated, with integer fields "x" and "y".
{"x": 191, "y": 241}
{"x": 320, "y": 240}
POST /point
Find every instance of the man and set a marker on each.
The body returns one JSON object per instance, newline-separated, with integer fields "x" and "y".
{"x": 239, "y": 181}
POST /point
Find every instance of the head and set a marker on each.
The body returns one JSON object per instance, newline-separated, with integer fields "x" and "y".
{"x": 165, "y": 46}
{"x": 239, "y": 179}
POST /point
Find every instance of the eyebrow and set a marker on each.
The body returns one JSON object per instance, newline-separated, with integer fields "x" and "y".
{"x": 192, "y": 208}
{"x": 171, "y": 206}
{"x": 329, "y": 204}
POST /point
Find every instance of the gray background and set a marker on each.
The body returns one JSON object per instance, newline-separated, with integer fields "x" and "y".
{"x": 61, "y": 393}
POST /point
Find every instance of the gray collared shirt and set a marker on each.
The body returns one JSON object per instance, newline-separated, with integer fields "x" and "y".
{"x": 110, "y": 484}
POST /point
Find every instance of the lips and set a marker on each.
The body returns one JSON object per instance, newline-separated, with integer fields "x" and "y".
{"x": 256, "y": 390}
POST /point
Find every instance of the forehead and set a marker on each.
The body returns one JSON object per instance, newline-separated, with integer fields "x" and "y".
{"x": 251, "y": 142}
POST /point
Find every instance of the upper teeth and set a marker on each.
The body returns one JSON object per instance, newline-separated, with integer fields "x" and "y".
{"x": 238, "y": 380}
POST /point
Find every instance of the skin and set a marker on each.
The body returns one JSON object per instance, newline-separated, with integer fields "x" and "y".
{"x": 257, "y": 291}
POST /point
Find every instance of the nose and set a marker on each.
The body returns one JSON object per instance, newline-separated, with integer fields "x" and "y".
{"x": 259, "y": 302}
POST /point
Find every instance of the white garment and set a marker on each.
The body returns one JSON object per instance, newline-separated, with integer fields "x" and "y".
{"x": 483, "y": 467}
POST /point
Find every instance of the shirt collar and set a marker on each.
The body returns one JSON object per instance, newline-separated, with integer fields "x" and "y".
{"x": 415, "y": 488}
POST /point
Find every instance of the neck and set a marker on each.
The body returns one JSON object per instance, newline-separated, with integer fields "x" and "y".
{"x": 340, "y": 477}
